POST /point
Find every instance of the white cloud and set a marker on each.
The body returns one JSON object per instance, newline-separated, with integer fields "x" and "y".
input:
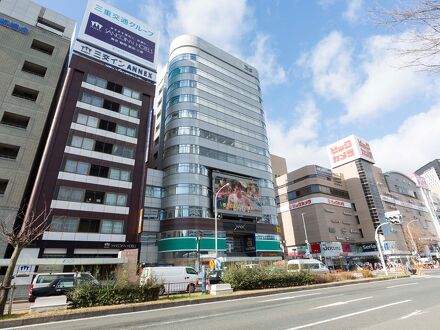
{"x": 264, "y": 59}
{"x": 222, "y": 22}
{"x": 353, "y": 12}
{"x": 416, "y": 142}
{"x": 330, "y": 62}
{"x": 297, "y": 142}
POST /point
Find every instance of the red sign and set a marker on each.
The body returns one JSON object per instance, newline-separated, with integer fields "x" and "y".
{"x": 346, "y": 247}
{"x": 316, "y": 248}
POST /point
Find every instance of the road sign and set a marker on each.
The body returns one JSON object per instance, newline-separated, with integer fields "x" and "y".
{"x": 211, "y": 264}
{"x": 393, "y": 217}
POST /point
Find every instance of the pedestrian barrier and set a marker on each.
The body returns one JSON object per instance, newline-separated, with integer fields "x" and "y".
{"x": 178, "y": 287}
{"x": 44, "y": 304}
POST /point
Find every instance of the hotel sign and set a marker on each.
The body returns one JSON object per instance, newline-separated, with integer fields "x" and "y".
{"x": 115, "y": 62}
{"x": 114, "y": 31}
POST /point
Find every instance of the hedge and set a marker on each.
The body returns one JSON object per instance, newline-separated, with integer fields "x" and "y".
{"x": 262, "y": 278}
{"x": 89, "y": 295}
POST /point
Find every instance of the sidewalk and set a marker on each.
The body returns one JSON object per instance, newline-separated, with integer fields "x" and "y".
{"x": 71, "y": 314}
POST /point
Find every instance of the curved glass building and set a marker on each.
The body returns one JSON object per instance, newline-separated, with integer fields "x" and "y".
{"x": 211, "y": 145}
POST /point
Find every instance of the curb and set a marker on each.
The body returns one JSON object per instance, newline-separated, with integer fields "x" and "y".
{"x": 78, "y": 314}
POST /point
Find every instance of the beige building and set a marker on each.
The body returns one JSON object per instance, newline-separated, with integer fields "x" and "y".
{"x": 35, "y": 44}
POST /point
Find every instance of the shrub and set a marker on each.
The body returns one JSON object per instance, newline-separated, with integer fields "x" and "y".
{"x": 89, "y": 295}
{"x": 263, "y": 278}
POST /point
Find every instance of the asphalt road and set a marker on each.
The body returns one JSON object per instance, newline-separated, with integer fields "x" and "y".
{"x": 410, "y": 303}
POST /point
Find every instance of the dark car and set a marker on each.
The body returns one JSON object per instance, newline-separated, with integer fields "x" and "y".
{"x": 215, "y": 276}
{"x": 57, "y": 287}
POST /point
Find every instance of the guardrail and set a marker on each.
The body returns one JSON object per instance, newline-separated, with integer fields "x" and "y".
{"x": 170, "y": 288}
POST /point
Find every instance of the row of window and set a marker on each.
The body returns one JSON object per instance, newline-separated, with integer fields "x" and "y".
{"x": 213, "y": 66}
{"x": 186, "y": 168}
{"x": 174, "y": 75}
{"x": 104, "y": 147}
{"x": 100, "y": 102}
{"x": 90, "y": 196}
{"x": 191, "y": 233}
{"x": 268, "y": 201}
{"x": 186, "y": 189}
{"x": 185, "y": 211}
{"x": 77, "y": 167}
{"x": 214, "y": 121}
{"x": 105, "y": 125}
{"x": 269, "y": 219}
{"x": 80, "y": 225}
{"x": 195, "y": 131}
{"x": 313, "y": 189}
{"x": 187, "y": 83}
{"x": 153, "y": 191}
{"x": 215, "y": 154}
{"x": 94, "y": 80}
{"x": 212, "y": 106}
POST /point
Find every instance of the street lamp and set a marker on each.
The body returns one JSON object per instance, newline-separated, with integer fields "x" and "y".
{"x": 215, "y": 215}
{"x": 379, "y": 248}
{"x": 305, "y": 232}
{"x": 412, "y": 238}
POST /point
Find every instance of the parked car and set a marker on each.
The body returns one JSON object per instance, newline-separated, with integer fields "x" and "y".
{"x": 173, "y": 279}
{"x": 45, "y": 280}
{"x": 58, "y": 287}
{"x": 307, "y": 265}
{"x": 215, "y": 276}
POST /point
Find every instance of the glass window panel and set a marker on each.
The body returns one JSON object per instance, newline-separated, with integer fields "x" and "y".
{"x": 88, "y": 144}
{"x": 131, "y": 132}
{"x": 81, "y": 119}
{"x": 57, "y": 224}
{"x": 114, "y": 173}
{"x": 92, "y": 122}
{"x": 136, "y": 95}
{"x": 110, "y": 198}
{"x": 76, "y": 195}
{"x": 70, "y": 225}
{"x": 63, "y": 194}
{"x": 134, "y": 113}
{"x": 106, "y": 226}
{"x": 118, "y": 227}
{"x": 76, "y": 142}
{"x": 121, "y": 130}
{"x": 70, "y": 166}
{"x": 122, "y": 200}
{"x": 82, "y": 168}
{"x": 125, "y": 175}
{"x": 126, "y": 91}
{"x": 124, "y": 110}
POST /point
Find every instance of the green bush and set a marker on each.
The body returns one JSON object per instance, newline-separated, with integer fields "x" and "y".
{"x": 263, "y": 278}
{"x": 89, "y": 295}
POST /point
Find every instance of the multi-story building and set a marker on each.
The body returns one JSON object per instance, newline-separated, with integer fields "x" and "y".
{"x": 210, "y": 133}
{"x": 93, "y": 171}
{"x": 335, "y": 213}
{"x": 35, "y": 44}
{"x": 431, "y": 173}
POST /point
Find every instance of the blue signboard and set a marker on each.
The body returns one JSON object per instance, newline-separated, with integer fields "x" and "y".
{"x": 14, "y": 26}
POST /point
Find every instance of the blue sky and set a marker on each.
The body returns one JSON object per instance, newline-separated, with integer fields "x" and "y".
{"x": 327, "y": 71}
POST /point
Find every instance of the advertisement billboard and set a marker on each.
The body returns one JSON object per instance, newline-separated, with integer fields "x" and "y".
{"x": 237, "y": 195}
{"x": 114, "y": 31}
{"x": 331, "y": 249}
{"x": 349, "y": 149}
{"x": 314, "y": 200}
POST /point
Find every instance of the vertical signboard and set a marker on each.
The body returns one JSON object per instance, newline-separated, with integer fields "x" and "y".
{"x": 349, "y": 149}
{"x": 112, "y": 30}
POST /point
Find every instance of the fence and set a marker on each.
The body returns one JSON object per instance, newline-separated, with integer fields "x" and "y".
{"x": 169, "y": 288}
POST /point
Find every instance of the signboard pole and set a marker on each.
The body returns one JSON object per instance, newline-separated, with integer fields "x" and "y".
{"x": 307, "y": 238}
{"x": 216, "y": 218}
{"x": 379, "y": 248}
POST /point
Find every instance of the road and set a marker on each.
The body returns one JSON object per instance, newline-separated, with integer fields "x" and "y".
{"x": 410, "y": 303}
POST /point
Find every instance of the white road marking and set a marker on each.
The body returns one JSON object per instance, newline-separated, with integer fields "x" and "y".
{"x": 349, "y": 315}
{"x": 341, "y": 303}
{"x": 417, "y": 312}
{"x": 399, "y": 285}
{"x": 293, "y": 297}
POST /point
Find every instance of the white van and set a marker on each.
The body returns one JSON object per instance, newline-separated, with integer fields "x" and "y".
{"x": 307, "y": 265}
{"x": 173, "y": 279}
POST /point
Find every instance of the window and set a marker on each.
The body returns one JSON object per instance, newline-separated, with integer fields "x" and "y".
{"x": 114, "y": 87}
{"x": 112, "y": 227}
{"x": 113, "y": 106}
{"x": 25, "y": 93}
{"x": 124, "y": 110}
{"x": 64, "y": 224}
{"x": 103, "y": 147}
{"x": 123, "y": 151}
{"x": 357, "y": 219}
{"x": 128, "y": 131}
{"x": 81, "y": 142}
{"x": 131, "y": 93}
{"x": 107, "y": 125}
{"x": 8, "y": 151}
{"x": 3, "y": 185}
{"x": 92, "y": 99}
{"x": 115, "y": 199}
{"x": 88, "y": 226}
{"x": 331, "y": 230}
{"x": 190, "y": 270}
{"x": 42, "y": 47}
{"x": 51, "y": 24}
{"x": 96, "y": 197}
{"x": 12, "y": 119}
{"x": 70, "y": 194}
{"x": 73, "y": 166}
{"x": 87, "y": 120}
{"x": 118, "y": 174}
{"x": 94, "y": 80}
{"x": 34, "y": 69}
{"x": 154, "y": 192}
{"x": 98, "y": 170}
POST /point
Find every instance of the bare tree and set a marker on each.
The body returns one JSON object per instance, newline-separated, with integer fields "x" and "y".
{"x": 421, "y": 43}
{"x": 33, "y": 227}
{"x": 417, "y": 241}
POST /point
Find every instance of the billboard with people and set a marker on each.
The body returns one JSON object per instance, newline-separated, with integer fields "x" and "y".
{"x": 237, "y": 195}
